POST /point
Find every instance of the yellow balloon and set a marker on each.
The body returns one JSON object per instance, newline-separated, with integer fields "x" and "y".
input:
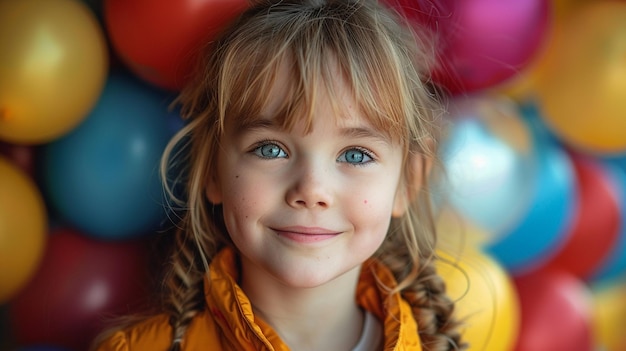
{"x": 53, "y": 67}
{"x": 609, "y": 316}
{"x": 486, "y": 299}
{"x": 23, "y": 228}
{"x": 581, "y": 88}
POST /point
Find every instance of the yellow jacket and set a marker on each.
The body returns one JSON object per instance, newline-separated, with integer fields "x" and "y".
{"x": 229, "y": 324}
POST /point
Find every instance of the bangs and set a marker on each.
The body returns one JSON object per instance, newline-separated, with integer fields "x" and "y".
{"x": 315, "y": 51}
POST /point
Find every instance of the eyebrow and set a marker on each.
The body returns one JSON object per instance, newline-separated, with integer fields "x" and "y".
{"x": 256, "y": 123}
{"x": 348, "y": 132}
{"x": 364, "y": 132}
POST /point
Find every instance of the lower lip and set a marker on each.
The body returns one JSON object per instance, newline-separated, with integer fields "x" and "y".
{"x": 305, "y": 238}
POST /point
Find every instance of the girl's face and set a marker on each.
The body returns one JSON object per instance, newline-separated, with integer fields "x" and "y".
{"x": 305, "y": 208}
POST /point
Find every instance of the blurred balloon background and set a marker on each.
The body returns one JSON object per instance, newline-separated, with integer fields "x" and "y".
{"x": 532, "y": 204}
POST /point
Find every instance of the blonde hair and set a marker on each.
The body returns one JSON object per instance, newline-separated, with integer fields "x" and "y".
{"x": 384, "y": 62}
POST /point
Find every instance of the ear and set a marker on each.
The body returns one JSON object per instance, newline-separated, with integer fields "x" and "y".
{"x": 214, "y": 191}
{"x": 417, "y": 167}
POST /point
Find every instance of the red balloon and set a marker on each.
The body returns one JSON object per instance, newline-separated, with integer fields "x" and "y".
{"x": 157, "y": 39}
{"x": 556, "y": 312}
{"x": 482, "y": 42}
{"x": 80, "y": 284}
{"x": 596, "y": 223}
{"x": 429, "y": 13}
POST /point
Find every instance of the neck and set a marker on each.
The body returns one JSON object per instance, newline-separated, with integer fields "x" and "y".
{"x": 325, "y": 317}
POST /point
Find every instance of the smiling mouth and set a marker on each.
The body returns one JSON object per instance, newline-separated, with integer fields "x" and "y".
{"x": 306, "y": 235}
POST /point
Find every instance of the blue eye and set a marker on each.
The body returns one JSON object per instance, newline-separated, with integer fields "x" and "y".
{"x": 270, "y": 150}
{"x": 355, "y": 156}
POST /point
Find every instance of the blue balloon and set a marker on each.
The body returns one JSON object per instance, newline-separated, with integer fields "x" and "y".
{"x": 547, "y": 222}
{"x": 103, "y": 176}
{"x": 614, "y": 266}
{"x": 489, "y": 164}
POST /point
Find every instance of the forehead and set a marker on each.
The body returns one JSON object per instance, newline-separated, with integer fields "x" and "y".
{"x": 324, "y": 95}
{"x": 291, "y": 101}
{"x": 288, "y": 96}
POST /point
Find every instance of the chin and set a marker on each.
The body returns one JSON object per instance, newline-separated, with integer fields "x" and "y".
{"x": 316, "y": 277}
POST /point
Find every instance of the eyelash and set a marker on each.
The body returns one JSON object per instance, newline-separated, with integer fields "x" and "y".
{"x": 365, "y": 151}
{"x": 265, "y": 142}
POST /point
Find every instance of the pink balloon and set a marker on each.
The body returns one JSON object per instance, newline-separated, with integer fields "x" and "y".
{"x": 483, "y": 42}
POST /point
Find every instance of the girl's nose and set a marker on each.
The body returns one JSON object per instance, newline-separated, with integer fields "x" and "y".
{"x": 311, "y": 188}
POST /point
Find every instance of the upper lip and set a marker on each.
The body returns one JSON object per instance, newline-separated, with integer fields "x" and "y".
{"x": 306, "y": 230}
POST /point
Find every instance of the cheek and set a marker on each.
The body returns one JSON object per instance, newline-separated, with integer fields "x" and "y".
{"x": 377, "y": 198}
{"x": 238, "y": 196}
{"x": 371, "y": 224}
{"x": 374, "y": 210}
{"x": 376, "y": 201}
{"x": 245, "y": 198}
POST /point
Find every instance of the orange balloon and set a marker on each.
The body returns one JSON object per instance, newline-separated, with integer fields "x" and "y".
{"x": 486, "y": 300}
{"x": 23, "y": 224}
{"x": 522, "y": 86}
{"x": 582, "y": 84}
{"x": 53, "y": 68}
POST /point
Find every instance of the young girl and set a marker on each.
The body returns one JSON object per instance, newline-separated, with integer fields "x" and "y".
{"x": 305, "y": 222}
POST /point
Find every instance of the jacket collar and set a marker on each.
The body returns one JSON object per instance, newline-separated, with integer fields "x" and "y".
{"x": 232, "y": 310}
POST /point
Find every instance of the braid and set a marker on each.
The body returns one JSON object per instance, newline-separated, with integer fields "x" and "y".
{"x": 409, "y": 253}
{"x": 433, "y": 310}
{"x": 184, "y": 285}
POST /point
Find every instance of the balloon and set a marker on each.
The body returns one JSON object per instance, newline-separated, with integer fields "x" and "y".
{"x": 613, "y": 265}
{"x": 158, "y": 39}
{"x": 489, "y": 162}
{"x": 485, "y": 299}
{"x": 582, "y": 83}
{"x": 81, "y": 283}
{"x": 103, "y": 177}
{"x": 597, "y": 220}
{"x": 485, "y": 42}
{"x": 23, "y": 221}
{"x": 556, "y": 310}
{"x": 424, "y": 13}
{"x": 549, "y": 218}
{"x": 52, "y": 68}
{"x": 522, "y": 86}
{"x": 609, "y": 315}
